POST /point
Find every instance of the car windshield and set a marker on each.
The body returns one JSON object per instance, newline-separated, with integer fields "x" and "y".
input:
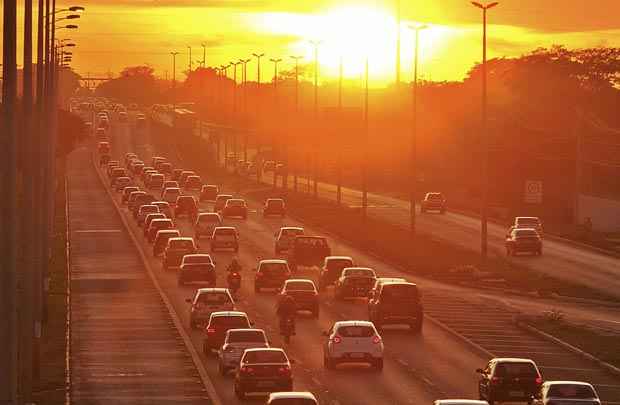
{"x": 181, "y": 244}
{"x": 243, "y": 336}
{"x": 400, "y": 292}
{"x": 515, "y": 370}
{"x": 273, "y": 268}
{"x": 214, "y": 298}
{"x": 299, "y": 286}
{"x": 355, "y": 331}
{"x": 359, "y": 273}
{"x": 571, "y": 391}
{"x": 339, "y": 264}
{"x": 230, "y": 322}
{"x": 265, "y": 356}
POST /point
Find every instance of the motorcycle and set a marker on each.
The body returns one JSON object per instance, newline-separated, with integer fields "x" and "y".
{"x": 234, "y": 281}
{"x": 287, "y": 329}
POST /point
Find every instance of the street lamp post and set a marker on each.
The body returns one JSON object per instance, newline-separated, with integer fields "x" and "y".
{"x": 296, "y": 59}
{"x": 483, "y": 133}
{"x": 316, "y": 44}
{"x": 258, "y": 164}
{"x": 189, "y": 62}
{"x": 365, "y": 163}
{"x": 245, "y": 107}
{"x": 174, "y": 80}
{"x": 414, "y": 129}
{"x": 275, "y": 62}
{"x": 204, "y": 55}
{"x": 234, "y": 100}
{"x": 339, "y": 147}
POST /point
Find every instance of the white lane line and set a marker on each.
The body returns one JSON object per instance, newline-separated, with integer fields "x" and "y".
{"x": 98, "y": 231}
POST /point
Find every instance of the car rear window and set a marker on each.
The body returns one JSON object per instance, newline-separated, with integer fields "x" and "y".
{"x": 400, "y": 292}
{"x": 299, "y": 286}
{"x": 198, "y": 259}
{"x": 213, "y": 298}
{"x": 359, "y": 273}
{"x": 246, "y": 336}
{"x": 273, "y": 268}
{"x": 355, "y": 331}
{"x": 235, "y": 203}
{"x": 181, "y": 244}
{"x": 515, "y": 370}
{"x": 265, "y": 357}
{"x": 198, "y": 267}
{"x": 314, "y": 242}
{"x": 225, "y": 232}
{"x": 292, "y": 232}
{"x": 571, "y": 391}
{"x": 339, "y": 264}
{"x": 275, "y": 203}
{"x": 230, "y": 322}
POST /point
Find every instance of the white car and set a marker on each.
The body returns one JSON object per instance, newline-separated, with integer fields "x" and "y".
{"x": 285, "y": 236}
{"x": 460, "y": 402}
{"x": 353, "y": 342}
{"x": 287, "y": 398}
{"x": 567, "y": 392}
{"x": 235, "y": 343}
{"x": 206, "y": 301}
{"x": 198, "y": 258}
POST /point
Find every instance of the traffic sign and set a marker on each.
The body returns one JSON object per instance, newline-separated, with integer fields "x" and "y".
{"x": 533, "y": 191}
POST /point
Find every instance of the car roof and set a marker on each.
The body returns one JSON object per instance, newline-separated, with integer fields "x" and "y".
{"x": 198, "y": 255}
{"x": 291, "y": 395}
{"x": 275, "y": 199}
{"x": 309, "y": 237}
{"x": 218, "y": 314}
{"x": 352, "y": 323}
{"x": 513, "y": 360}
{"x": 266, "y": 349}
{"x": 272, "y": 261}
{"x": 359, "y": 268}
{"x": 165, "y": 231}
{"x": 210, "y": 185}
{"x": 560, "y": 382}
{"x": 460, "y": 402}
{"x": 149, "y": 206}
{"x": 160, "y": 203}
{"x": 528, "y": 218}
{"x": 247, "y": 330}
{"x": 236, "y": 199}
{"x": 225, "y": 227}
{"x": 182, "y": 238}
{"x": 224, "y": 195}
{"x": 172, "y": 188}
{"x": 208, "y": 214}
{"x": 299, "y": 280}
{"x": 298, "y": 228}
{"x": 339, "y": 258}
{"x": 211, "y": 290}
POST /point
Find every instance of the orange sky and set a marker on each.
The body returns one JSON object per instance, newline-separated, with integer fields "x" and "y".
{"x": 118, "y": 33}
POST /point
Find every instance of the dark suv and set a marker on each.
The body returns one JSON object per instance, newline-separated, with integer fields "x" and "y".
{"x": 263, "y": 370}
{"x": 219, "y": 323}
{"x": 308, "y": 251}
{"x": 176, "y": 249}
{"x": 509, "y": 380}
{"x": 271, "y": 274}
{"x": 396, "y": 303}
{"x": 332, "y": 268}
{"x": 186, "y": 205}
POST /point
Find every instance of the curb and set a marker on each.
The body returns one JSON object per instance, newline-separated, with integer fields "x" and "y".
{"x": 68, "y": 371}
{"x": 206, "y": 381}
{"x": 606, "y": 366}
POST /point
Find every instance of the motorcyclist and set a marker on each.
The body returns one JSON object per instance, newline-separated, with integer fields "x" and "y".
{"x": 286, "y": 310}
{"x": 234, "y": 266}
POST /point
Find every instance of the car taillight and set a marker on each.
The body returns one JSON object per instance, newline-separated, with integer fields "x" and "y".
{"x": 246, "y": 370}
{"x": 376, "y": 339}
{"x": 284, "y": 370}
{"x": 539, "y": 380}
{"x": 337, "y": 339}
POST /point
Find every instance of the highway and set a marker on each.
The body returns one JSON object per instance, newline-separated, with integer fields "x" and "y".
{"x": 418, "y": 369}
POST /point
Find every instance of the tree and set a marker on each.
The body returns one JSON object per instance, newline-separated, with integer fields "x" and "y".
{"x": 136, "y": 84}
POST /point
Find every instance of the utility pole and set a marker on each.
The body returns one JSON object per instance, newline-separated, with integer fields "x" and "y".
{"x": 275, "y": 103}
{"x": 340, "y": 143}
{"x": 8, "y": 210}
{"x": 174, "y": 82}
{"x": 245, "y": 107}
{"x": 366, "y": 135}
{"x": 296, "y": 59}
{"x": 578, "y": 164}
{"x": 189, "y": 62}
{"x": 316, "y": 114}
{"x": 257, "y": 162}
{"x": 398, "y": 17}
{"x": 485, "y": 136}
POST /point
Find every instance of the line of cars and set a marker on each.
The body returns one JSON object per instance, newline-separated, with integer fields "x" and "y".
{"x": 260, "y": 367}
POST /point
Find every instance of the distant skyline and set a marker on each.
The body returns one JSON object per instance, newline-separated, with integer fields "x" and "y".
{"x": 118, "y": 33}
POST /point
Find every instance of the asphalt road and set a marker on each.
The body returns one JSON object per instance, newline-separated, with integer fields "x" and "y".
{"x": 563, "y": 261}
{"x": 418, "y": 369}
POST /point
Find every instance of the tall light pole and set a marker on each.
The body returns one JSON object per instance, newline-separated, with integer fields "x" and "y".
{"x": 245, "y": 106}
{"x": 174, "y": 80}
{"x": 234, "y": 97}
{"x": 483, "y": 133}
{"x": 296, "y": 59}
{"x": 366, "y": 135}
{"x": 339, "y": 147}
{"x": 189, "y": 62}
{"x": 316, "y": 44}
{"x": 413, "y": 175}
{"x": 8, "y": 209}
{"x": 275, "y": 62}
{"x": 259, "y": 169}
{"x": 398, "y": 15}
{"x": 204, "y": 55}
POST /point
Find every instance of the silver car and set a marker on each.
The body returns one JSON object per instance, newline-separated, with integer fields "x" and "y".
{"x": 235, "y": 343}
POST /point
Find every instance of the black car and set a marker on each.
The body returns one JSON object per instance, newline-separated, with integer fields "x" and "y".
{"x": 308, "y": 251}
{"x": 186, "y": 205}
{"x": 274, "y": 206}
{"x": 219, "y": 323}
{"x": 394, "y": 303}
{"x": 304, "y": 293}
{"x": 197, "y": 272}
{"x": 354, "y": 282}
{"x": 509, "y": 380}
{"x": 263, "y": 370}
{"x": 523, "y": 240}
{"x": 271, "y": 274}
{"x": 332, "y": 268}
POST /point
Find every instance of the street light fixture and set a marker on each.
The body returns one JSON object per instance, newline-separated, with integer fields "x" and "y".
{"x": 316, "y": 45}
{"x": 414, "y": 127}
{"x": 296, "y": 59}
{"x": 483, "y": 132}
{"x": 275, "y": 62}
